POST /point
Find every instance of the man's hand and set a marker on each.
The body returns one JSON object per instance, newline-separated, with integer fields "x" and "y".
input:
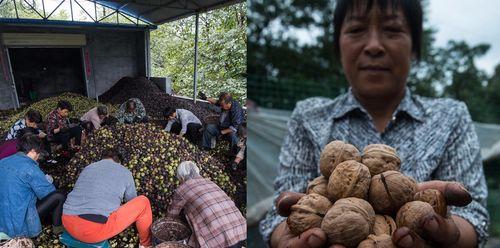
{"x": 226, "y": 131}
{"x": 283, "y": 238}
{"x": 441, "y": 232}
{"x": 41, "y": 135}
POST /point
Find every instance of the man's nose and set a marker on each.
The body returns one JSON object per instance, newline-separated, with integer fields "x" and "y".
{"x": 374, "y": 46}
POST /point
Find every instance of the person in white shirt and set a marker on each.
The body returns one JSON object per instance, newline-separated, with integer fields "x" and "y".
{"x": 96, "y": 116}
{"x": 183, "y": 122}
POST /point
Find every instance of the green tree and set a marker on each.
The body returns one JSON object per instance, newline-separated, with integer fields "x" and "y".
{"x": 221, "y": 52}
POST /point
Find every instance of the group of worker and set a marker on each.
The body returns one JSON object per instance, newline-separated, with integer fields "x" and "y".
{"x": 91, "y": 214}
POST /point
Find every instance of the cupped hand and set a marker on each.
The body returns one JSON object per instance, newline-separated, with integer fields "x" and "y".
{"x": 283, "y": 238}
{"x": 438, "y": 231}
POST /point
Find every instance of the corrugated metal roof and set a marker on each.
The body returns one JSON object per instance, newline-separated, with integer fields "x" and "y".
{"x": 161, "y": 11}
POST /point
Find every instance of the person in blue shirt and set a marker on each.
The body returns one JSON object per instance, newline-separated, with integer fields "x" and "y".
{"x": 27, "y": 197}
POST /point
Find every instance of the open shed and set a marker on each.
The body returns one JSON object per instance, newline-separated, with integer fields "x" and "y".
{"x": 97, "y": 44}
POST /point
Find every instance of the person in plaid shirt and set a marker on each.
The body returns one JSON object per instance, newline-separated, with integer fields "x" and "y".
{"x": 58, "y": 128}
{"x": 214, "y": 219}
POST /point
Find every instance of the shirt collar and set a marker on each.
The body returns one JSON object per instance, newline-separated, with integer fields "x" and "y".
{"x": 407, "y": 105}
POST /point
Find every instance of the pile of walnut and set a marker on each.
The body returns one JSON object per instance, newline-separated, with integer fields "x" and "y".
{"x": 357, "y": 197}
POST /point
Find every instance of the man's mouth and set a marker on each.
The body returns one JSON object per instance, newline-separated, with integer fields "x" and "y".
{"x": 374, "y": 68}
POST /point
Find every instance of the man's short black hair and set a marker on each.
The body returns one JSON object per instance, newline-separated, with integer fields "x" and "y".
{"x": 34, "y": 116}
{"x": 29, "y": 142}
{"x": 114, "y": 154}
{"x": 412, "y": 10}
{"x": 27, "y": 130}
{"x": 168, "y": 111}
{"x": 102, "y": 110}
{"x": 63, "y": 104}
{"x": 225, "y": 97}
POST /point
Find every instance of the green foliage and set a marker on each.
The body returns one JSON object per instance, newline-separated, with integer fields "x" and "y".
{"x": 221, "y": 52}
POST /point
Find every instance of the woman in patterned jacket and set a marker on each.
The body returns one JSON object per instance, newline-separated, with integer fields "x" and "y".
{"x": 376, "y": 42}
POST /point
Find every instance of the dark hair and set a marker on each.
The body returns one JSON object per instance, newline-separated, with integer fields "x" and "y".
{"x": 63, "y": 104}
{"x": 29, "y": 142}
{"x": 102, "y": 110}
{"x": 27, "y": 130}
{"x": 130, "y": 103}
{"x": 168, "y": 111}
{"x": 114, "y": 154}
{"x": 225, "y": 97}
{"x": 33, "y": 116}
{"x": 412, "y": 10}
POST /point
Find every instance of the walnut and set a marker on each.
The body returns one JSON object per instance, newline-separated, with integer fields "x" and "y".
{"x": 390, "y": 190}
{"x": 308, "y": 213}
{"x": 435, "y": 198}
{"x": 318, "y": 186}
{"x": 349, "y": 179}
{"x": 335, "y": 153}
{"x": 379, "y": 158}
{"x": 384, "y": 224}
{"x": 348, "y": 222}
{"x": 411, "y": 215}
{"x": 377, "y": 241}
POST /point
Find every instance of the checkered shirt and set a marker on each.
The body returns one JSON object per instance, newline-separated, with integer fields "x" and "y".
{"x": 215, "y": 220}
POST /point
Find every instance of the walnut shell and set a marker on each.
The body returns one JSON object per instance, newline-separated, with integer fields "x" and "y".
{"x": 380, "y": 158}
{"x": 390, "y": 190}
{"x": 308, "y": 213}
{"x": 318, "y": 186}
{"x": 335, "y": 153}
{"x": 349, "y": 179}
{"x": 411, "y": 215}
{"x": 435, "y": 198}
{"x": 384, "y": 224}
{"x": 348, "y": 222}
{"x": 377, "y": 241}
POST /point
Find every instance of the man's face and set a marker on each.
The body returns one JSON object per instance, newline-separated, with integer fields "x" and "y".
{"x": 172, "y": 116}
{"x": 63, "y": 112}
{"x": 30, "y": 123}
{"x": 376, "y": 51}
{"x": 226, "y": 106}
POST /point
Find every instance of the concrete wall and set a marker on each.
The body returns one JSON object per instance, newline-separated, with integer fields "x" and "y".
{"x": 112, "y": 54}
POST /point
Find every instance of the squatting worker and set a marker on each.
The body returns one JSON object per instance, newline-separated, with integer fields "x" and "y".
{"x": 132, "y": 111}
{"x": 27, "y": 197}
{"x": 435, "y": 138}
{"x": 93, "y": 211}
{"x": 214, "y": 218}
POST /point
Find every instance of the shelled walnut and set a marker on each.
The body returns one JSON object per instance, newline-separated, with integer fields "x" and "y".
{"x": 380, "y": 158}
{"x": 377, "y": 241}
{"x": 384, "y": 224}
{"x": 318, "y": 186}
{"x": 348, "y": 222}
{"x": 308, "y": 213}
{"x": 435, "y": 198}
{"x": 390, "y": 190}
{"x": 412, "y": 213}
{"x": 335, "y": 153}
{"x": 349, "y": 179}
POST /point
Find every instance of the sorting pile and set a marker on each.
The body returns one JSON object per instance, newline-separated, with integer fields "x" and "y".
{"x": 152, "y": 156}
{"x": 154, "y": 100}
{"x": 81, "y": 105}
{"x": 357, "y": 198}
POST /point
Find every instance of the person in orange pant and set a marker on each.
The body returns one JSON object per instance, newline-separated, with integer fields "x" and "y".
{"x": 92, "y": 212}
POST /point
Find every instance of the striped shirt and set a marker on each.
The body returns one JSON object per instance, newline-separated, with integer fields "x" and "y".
{"x": 215, "y": 220}
{"x": 435, "y": 139}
